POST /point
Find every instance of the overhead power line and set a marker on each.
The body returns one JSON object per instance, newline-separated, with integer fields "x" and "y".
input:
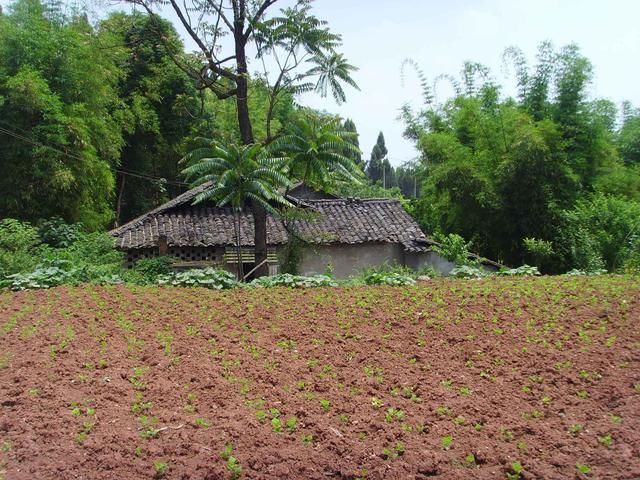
{"x": 38, "y": 143}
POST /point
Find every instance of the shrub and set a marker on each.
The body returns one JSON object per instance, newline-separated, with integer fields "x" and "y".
{"x": 41, "y": 277}
{"x": 20, "y": 247}
{"x": 388, "y": 278}
{"x": 454, "y": 248}
{"x": 57, "y": 233}
{"x": 601, "y": 233}
{"x": 147, "y": 270}
{"x": 523, "y": 271}
{"x": 466, "y": 271}
{"x": 578, "y": 273}
{"x": 205, "y": 277}
{"x": 294, "y": 281}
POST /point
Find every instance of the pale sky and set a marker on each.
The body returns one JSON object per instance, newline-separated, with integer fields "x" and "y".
{"x": 441, "y": 34}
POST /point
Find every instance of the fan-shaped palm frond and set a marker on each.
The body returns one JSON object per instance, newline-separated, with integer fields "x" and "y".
{"x": 315, "y": 148}
{"x": 332, "y": 70}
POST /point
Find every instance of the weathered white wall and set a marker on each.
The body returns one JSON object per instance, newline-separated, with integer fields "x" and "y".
{"x": 418, "y": 261}
{"x": 348, "y": 259}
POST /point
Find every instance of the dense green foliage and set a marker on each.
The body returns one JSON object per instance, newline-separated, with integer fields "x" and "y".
{"x": 59, "y": 111}
{"x": 545, "y": 177}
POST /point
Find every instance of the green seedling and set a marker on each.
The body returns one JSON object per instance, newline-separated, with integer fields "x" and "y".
{"x": 507, "y": 435}
{"x": 515, "y": 471}
{"x": 292, "y": 424}
{"x": 161, "y": 469}
{"x": 606, "y": 440}
{"x": 376, "y": 403}
{"x": 276, "y": 425}
{"x": 583, "y": 468}
{"x": 576, "y": 428}
{"x": 393, "y": 414}
{"x": 446, "y": 442}
{"x": 394, "y": 452}
{"x": 325, "y": 404}
{"x": 233, "y": 465}
{"x": 202, "y": 423}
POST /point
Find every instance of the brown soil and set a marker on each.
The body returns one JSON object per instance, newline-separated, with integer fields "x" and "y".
{"x": 543, "y": 372}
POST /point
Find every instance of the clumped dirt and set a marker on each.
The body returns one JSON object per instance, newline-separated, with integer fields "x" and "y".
{"x": 446, "y": 379}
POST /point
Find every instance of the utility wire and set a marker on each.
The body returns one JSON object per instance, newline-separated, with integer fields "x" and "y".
{"x": 75, "y": 157}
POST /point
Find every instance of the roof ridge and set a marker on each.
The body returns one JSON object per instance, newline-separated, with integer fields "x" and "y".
{"x": 353, "y": 200}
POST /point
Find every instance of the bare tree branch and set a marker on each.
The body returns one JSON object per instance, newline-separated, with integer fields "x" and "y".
{"x": 266, "y": 4}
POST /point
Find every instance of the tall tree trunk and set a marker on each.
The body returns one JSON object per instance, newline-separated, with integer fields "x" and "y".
{"x": 119, "y": 204}
{"x": 246, "y": 134}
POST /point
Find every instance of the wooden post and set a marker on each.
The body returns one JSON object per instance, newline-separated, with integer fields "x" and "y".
{"x": 163, "y": 245}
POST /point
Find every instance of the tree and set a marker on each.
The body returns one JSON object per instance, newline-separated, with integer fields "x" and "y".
{"x": 355, "y": 155}
{"x": 629, "y": 136}
{"x": 239, "y": 175}
{"x": 162, "y": 109}
{"x": 314, "y": 150}
{"x": 293, "y": 39}
{"x": 378, "y": 155}
{"x": 500, "y": 170}
{"x": 60, "y": 129}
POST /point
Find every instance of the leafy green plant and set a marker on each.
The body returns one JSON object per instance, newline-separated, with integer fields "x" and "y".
{"x": 393, "y": 414}
{"x": 446, "y": 441}
{"x": 583, "y": 468}
{"x": 202, "y": 423}
{"x": 523, "y": 271}
{"x": 388, "y": 278}
{"x": 391, "y": 453}
{"x": 325, "y": 404}
{"x": 606, "y": 440}
{"x": 206, "y": 277}
{"x": 466, "y": 271}
{"x": 515, "y": 472}
{"x": 294, "y": 281}
{"x": 161, "y": 468}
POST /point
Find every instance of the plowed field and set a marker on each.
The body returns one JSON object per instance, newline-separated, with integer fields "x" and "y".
{"x": 489, "y": 379}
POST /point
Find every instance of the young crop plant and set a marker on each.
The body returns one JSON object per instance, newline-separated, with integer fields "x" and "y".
{"x": 470, "y": 460}
{"x": 233, "y": 465}
{"x": 583, "y": 468}
{"x": 575, "y": 428}
{"x": 606, "y": 440}
{"x": 291, "y": 424}
{"x": 515, "y": 471}
{"x": 325, "y": 404}
{"x": 446, "y": 442}
{"x": 394, "y": 452}
{"x": 376, "y": 403}
{"x": 161, "y": 469}
{"x": 582, "y": 394}
{"x": 393, "y": 414}
{"x": 507, "y": 435}
{"x": 202, "y": 423}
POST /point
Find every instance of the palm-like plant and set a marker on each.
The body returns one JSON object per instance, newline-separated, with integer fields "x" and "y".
{"x": 315, "y": 150}
{"x": 239, "y": 174}
{"x": 332, "y": 69}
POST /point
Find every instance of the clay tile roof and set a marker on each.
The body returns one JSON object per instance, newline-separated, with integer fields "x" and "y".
{"x": 342, "y": 221}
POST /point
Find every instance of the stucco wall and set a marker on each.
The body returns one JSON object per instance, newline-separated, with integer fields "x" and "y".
{"x": 348, "y": 259}
{"x": 418, "y": 261}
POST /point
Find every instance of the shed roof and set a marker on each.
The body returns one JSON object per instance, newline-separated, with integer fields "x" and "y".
{"x": 338, "y": 221}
